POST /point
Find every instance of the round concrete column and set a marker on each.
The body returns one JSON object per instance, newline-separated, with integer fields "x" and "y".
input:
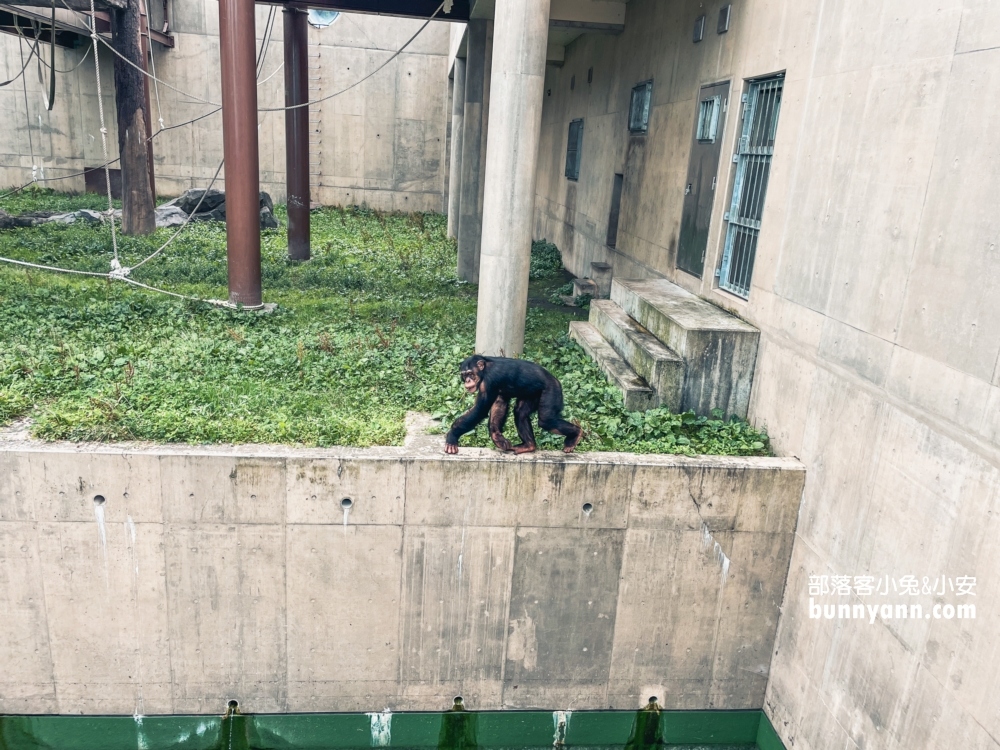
{"x": 455, "y": 174}
{"x": 520, "y": 36}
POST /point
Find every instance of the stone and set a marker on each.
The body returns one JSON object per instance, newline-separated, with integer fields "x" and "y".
{"x": 170, "y": 216}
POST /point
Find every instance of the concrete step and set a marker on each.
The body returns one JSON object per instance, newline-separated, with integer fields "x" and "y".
{"x": 662, "y": 368}
{"x": 719, "y": 350}
{"x": 585, "y": 286}
{"x": 636, "y": 392}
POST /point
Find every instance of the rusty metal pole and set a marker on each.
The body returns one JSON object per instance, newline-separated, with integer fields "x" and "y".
{"x": 297, "y": 131}
{"x": 239, "y": 140}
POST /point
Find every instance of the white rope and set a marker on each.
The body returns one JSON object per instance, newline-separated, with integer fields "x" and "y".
{"x": 181, "y": 228}
{"x": 115, "y": 264}
{"x": 152, "y": 64}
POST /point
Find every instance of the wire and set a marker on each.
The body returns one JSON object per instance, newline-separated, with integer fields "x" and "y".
{"x": 115, "y": 263}
{"x": 394, "y": 55}
{"x": 31, "y": 52}
{"x": 83, "y": 59}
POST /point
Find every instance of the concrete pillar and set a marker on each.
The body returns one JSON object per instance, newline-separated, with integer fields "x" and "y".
{"x": 471, "y": 204}
{"x": 521, "y": 30}
{"x": 296, "y": 38}
{"x": 238, "y": 50}
{"x": 457, "y": 129}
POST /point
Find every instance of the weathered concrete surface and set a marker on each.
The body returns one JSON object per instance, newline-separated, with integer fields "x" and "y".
{"x": 659, "y": 366}
{"x": 236, "y": 572}
{"x": 379, "y": 143}
{"x": 719, "y": 350}
{"x": 515, "y": 118}
{"x": 474, "y": 140}
{"x": 874, "y": 289}
{"x": 637, "y": 395}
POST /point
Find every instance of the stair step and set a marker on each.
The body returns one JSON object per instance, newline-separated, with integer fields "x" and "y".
{"x": 585, "y": 286}
{"x": 662, "y": 368}
{"x": 719, "y": 350}
{"x": 637, "y": 394}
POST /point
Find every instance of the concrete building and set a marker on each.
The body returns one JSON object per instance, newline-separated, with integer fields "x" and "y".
{"x": 381, "y": 143}
{"x": 860, "y": 144}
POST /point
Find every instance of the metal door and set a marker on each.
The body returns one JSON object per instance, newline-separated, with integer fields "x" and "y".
{"x": 753, "y": 167}
{"x": 702, "y": 179}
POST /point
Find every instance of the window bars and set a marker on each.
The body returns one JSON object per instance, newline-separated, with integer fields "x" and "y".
{"x": 574, "y": 148}
{"x": 753, "y": 158}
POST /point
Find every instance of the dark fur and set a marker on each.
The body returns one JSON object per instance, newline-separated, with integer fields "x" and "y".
{"x": 498, "y": 380}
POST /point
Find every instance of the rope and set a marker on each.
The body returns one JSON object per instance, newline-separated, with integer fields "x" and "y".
{"x": 115, "y": 264}
{"x": 152, "y": 64}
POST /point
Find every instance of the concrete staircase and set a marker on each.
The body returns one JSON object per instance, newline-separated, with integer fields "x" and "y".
{"x": 663, "y": 346}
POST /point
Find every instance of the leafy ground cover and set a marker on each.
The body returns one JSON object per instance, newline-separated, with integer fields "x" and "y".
{"x": 373, "y": 326}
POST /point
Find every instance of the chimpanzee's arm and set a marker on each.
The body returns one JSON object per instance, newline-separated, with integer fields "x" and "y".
{"x": 468, "y": 421}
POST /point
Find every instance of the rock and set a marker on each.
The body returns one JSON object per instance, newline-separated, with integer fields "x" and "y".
{"x": 267, "y": 220}
{"x": 90, "y": 216}
{"x": 213, "y": 208}
{"x": 170, "y": 216}
{"x": 188, "y": 200}
{"x": 69, "y": 218}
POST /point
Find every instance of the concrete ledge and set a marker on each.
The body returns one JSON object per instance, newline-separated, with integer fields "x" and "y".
{"x": 220, "y": 572}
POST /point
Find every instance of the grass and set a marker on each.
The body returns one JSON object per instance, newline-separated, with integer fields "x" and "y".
{"x": 373, "y": 326}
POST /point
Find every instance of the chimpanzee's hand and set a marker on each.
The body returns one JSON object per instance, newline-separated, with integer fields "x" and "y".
{"x": 450, "y": 449}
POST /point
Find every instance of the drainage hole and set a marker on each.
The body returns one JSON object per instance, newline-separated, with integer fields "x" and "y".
{"x": 347, "y": 503}
{"x": 588, "y": 508}
{"x": 98, "y": 499}
{"x": 233, "y": 705}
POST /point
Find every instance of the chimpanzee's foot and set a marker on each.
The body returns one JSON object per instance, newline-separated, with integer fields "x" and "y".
{"x": 502, "y": 443}
{"x": 450, "y": 449}
{"x": 572, "y": 442}
{"x": 524, "y": 448}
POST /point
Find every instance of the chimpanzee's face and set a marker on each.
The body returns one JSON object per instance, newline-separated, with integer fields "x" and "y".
{"x": 471, "y": 372}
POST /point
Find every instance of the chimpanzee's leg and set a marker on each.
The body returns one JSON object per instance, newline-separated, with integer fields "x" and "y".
{"x": 550, "y": 406}
{"x": 498, "y": 418}
{"x": 522, "y": 418}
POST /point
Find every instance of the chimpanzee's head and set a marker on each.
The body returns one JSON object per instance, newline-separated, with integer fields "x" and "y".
{"x": 471, "y": 371}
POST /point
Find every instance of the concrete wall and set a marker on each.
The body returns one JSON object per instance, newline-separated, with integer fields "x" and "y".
{"x": 381, "y": 143}
{"x": 221, "y": 573}
{"x": 875, "y": 290}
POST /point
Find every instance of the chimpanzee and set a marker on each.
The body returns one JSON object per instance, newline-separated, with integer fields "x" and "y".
{"x": 497, "y": 380}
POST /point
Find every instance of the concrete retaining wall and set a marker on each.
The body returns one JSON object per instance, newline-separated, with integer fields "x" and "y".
{"x": 214, "y": 573}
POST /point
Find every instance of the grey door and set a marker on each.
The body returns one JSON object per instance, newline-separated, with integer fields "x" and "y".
{"x": 702, "y": 179}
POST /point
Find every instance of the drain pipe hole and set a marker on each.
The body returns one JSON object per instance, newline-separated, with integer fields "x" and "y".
{"x": 588, "y": 508}
{"x": 347, "y": 503}
{"x": 98, "y": 499}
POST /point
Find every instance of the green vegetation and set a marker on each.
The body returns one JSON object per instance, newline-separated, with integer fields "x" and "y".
{"x": 372, "y": 327}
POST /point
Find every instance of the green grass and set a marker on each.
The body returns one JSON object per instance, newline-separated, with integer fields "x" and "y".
{"x": 373, "y": 326}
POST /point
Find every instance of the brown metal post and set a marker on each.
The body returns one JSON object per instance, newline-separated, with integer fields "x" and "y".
{"x": 239, "y": 140}
{"x": 297, "y": 132}
{"x": 147, "y": 111}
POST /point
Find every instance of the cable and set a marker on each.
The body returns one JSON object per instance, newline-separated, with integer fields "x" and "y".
{"x": 83, "y": 59}
{"x": 115, "y": 263}
{"x": 394, "y": 55}
{"x": 24, "y": 67}
{"x": 183, "y": 226}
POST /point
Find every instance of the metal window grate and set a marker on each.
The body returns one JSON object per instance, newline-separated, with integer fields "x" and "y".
{"x": 753, "y": 157}
{"x": 708, "y": 119}
{"x": 638, "y": 111}
{"x": 574, "y": 148}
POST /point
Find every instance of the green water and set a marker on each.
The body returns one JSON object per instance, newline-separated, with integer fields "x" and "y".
{"x": 467, "y": 730}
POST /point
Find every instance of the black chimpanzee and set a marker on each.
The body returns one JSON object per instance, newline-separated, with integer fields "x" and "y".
{"x": 497, "y": 380}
